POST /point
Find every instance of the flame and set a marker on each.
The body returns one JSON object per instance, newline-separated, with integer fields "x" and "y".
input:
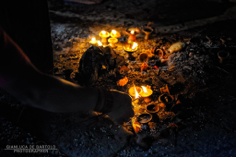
{"x": 93, "y": 39}
{"x": 144, "y": 89}
{"x": 104, "y": 32}
{"x": 136, "y": 93}
{"x": 113, "y": 32}
{"x": 132, "y": 32}
{"x": 134, "y": 45}
{"x": 99, "y": 43}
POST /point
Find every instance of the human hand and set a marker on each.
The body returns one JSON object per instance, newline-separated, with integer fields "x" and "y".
{"x": 122, "y": 108}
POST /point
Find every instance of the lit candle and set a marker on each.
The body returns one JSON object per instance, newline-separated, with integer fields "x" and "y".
{"x": 93, "y": 41}
{"x": 104, "y": 35}
{"x": 146, "y": 92}
{"x": 113, "y": 41}
{"x": 115, "y": 34}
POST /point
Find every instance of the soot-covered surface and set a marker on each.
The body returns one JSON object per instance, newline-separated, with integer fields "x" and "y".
{"x": 202, "y": 120}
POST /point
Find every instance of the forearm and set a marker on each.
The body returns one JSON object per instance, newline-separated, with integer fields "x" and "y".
{"x": 53, "y": 94}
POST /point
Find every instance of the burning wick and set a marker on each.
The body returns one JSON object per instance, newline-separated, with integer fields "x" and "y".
{"x": 93, "y": 41}
{"x": 146, "y": 92}
{"x": 99, "y": 43}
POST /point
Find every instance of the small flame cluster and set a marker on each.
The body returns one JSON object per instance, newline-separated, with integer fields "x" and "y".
{"x": 103, "y": 33}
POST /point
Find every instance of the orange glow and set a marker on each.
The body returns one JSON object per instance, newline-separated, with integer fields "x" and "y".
{"x": 136, "y": 93}
{"x": 99, "y": 43}
{"x": 134, "y": 45}
{"x": 144, "y": 89}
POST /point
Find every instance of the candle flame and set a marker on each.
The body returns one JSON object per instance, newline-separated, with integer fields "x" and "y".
{"x": 113, "y": 31}
{"x": 144, "y": 89}
{"x": 134, "y": 45}
{"x": 103, "y": 32}
{"x": 132, "y": 32}
{"x": 99, "y": 43}
{"x": 136, "y": 93}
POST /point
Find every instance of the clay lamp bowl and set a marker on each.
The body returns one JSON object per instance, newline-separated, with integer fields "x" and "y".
{"x": 132, "y": 32}
{"x": 222, "y": 55}
{"x": 104, "y": 35}
{"x": 166, "y": 99}
{"x": 147, "y": 31}
{"x": 152, "y": 108}
{"x": 130, "y": 49}
{"x": 113, "y": 42}
{"x": 146, "y": 92}
{"x": 115, "y": 34}
{"x": 144, "y": 118}
{"x": 143, "y": 57}
{"x": 159, "y": 52}
{"x": 135, "y": 91}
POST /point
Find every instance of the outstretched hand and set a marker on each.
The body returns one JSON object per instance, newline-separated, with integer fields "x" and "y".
{"x": 122, "y": 109}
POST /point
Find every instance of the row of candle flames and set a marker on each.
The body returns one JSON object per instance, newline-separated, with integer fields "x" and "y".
{"x": 113, "y": 40}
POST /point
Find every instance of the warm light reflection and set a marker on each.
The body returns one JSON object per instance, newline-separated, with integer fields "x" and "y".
{"x": 132, "y": 32}
{"x": 99, "y": 43}
{"x": 134, "y": 45}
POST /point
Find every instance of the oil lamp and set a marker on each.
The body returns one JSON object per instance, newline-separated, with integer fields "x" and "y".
{"x": 132, "y": 34}
{"x": 131, "y": 48}
{"x": 115, "y": 34}
{"x": 146, "y": 92}
{"x": 93, "y": 41}
{"x": 135, "y": 92}
{"x": 113, "y": 41}
{"x": 104, "y": 35}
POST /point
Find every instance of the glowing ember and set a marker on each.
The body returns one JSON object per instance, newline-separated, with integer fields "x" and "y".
{"x": 134, "y": 45}
{"x": 99, "y": 43}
